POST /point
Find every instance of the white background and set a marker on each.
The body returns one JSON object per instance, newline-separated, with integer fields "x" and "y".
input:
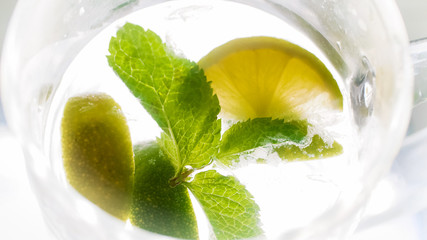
{"x": 20, "y": 217}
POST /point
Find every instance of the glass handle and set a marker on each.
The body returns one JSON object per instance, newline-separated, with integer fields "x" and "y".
{"x": 403, "y": 191}
{"x": 419, "y": 58}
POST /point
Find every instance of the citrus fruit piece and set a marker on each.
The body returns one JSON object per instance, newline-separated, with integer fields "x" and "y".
{"x": 317, "y": 149}
{"x": 268, "y": 77}
{"x": 157, "y": 206}
{"x": 97, "y": 152}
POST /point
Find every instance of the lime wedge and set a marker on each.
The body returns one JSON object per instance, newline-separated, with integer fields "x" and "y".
{"x": 97, "y": 152}
{"x": 157, "y": 206}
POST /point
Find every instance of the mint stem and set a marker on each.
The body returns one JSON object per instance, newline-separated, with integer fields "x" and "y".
{"x": 182, "y": 176}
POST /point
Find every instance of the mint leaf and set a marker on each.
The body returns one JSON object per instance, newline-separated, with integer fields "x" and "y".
{"x": 173, "y": 90}
{"x": 317, "y": 149}
{"x": 229, "y": 207}
{"x": 245, "y": 137}
{"x": 156, "y": 206}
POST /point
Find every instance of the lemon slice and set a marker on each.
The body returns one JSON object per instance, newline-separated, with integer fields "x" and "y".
{"x": 268, "y": 77}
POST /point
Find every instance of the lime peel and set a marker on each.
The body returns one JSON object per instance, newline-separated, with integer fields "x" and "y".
{"x": 97, "y": 152}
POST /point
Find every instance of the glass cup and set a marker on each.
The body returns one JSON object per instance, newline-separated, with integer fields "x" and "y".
{"x": 364, "y": 41}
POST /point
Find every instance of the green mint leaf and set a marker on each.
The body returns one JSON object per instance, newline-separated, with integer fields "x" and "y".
{"x": 317, "y": 149}
{"x": 173, "y": 90}
{"x": 245, "y": 137}
{"x": 156, "y": 206}
{"x": 97, "y": 152}
{"x": 230, "y": 208}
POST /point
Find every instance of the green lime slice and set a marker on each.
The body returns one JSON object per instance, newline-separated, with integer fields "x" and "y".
{"x": 157, "y": 206}
{"x": 97, "y": 152}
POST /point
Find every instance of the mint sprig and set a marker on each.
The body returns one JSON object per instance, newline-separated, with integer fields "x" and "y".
{"x": 173, "y": 90}
{"x": 176, "y": 94}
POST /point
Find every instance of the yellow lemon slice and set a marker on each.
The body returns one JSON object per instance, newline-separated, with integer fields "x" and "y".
{"x": 268, "y": 77}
